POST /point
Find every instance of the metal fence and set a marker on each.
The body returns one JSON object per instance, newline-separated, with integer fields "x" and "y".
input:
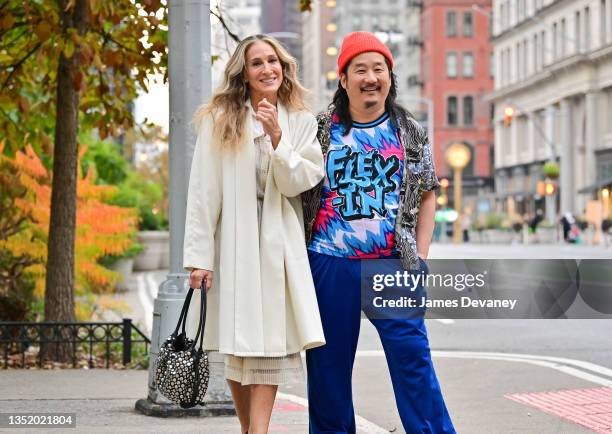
{"x": 18, "y": 337}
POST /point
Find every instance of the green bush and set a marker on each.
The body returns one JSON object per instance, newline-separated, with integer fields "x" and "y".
{"x": 493, "y": 221}
{"x": 144, "y": 195}
{"x": 113, "y": 168}
{"x": 131, "y": 252}
{"x": 105, "y": 157}
{"x": 551, "y": 169}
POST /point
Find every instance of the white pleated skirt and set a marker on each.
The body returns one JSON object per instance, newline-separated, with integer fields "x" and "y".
{"x": 264, "y": 370}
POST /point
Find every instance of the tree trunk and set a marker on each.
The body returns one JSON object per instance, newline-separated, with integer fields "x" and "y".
{"x": 59, "y": 285}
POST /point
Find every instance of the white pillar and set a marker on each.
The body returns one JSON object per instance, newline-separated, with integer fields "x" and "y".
{"x": 592, "y": 136}
{"x": 549, "y": 129}
{"x": 513, "y": 142}
{"x": 531, "y": 136}
{"x": 498, "y": 144}
{"x": 567, "y": 185}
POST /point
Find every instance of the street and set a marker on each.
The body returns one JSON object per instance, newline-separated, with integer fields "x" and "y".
{"x": 485, "y": 367}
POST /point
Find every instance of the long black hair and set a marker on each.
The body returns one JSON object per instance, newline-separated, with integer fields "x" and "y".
{"x": 340, "y": 102}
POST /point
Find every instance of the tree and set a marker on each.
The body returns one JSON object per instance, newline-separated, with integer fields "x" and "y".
{"x": 62, "y": 64}
{"x": 102, "y": 229}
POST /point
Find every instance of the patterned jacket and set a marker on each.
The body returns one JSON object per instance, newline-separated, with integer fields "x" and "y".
{"x": 420, "y": 176}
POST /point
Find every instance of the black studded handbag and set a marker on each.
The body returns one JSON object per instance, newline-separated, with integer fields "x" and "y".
{"x": 182, "y": 372}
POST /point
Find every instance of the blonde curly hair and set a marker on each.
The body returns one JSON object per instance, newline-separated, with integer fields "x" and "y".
{"x": 228, "y": 105}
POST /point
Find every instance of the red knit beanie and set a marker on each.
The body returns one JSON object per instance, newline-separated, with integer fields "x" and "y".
{"x": 360, "y": 42}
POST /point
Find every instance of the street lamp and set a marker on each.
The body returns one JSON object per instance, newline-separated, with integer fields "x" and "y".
{"x": 457, "y": 156}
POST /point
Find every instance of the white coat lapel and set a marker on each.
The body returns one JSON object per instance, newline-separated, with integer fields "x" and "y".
{"x": 248, "y": 321}
{"x": 273, "y": 255}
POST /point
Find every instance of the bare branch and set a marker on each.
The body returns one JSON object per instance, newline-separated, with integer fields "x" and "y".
{"x": 12, "y": 228}
{"x": 16, "y": 66}
{"x": 108, "y": 37}
{"x": 224, "y": 24}
{"x": 9, "y": 118}
{"x": 16, "y": 25}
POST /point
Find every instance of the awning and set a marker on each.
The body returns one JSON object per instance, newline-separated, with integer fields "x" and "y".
{"x": 593, "y": 188}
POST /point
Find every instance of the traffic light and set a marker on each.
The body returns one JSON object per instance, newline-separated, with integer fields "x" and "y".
{"x": 508, "y": 115}
{"x": 547, "y": 188}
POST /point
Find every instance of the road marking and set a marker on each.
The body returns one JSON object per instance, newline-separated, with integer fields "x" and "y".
{"x": 363, "y": 425}
{"x": 446, "y": 321}
{"x": 567, "y": 366}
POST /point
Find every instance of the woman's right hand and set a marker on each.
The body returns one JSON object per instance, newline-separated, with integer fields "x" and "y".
{"x": 197, "y": 277}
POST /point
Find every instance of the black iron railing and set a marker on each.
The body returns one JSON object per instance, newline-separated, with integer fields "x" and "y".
{"x": 18, "y": 337}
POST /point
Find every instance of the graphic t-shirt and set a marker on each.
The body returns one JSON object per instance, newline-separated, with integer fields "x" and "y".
{"x": 363, "y": 174}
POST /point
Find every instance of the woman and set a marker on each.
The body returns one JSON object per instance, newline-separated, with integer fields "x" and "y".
{"x": 256, "y": 152}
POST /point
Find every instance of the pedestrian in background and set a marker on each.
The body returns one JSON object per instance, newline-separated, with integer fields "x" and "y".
{"x": 376, "y": 201}
{"x": 256, "y": 152}
{"x": 568, "y": 222}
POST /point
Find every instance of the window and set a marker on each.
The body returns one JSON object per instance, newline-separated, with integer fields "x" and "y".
{"x": 375, "y": 22}
{"x": 577, "y": 32}
{"x": 492, "y": 65}
{"x": 555, "y": 52}
{"x": 468, "y": 110}
{"x": 525, "y": 57}
{"x": 451, "y": 110}
{"x": 543, "y": 47}
{"x": 563, "y": 37}
{"x": 451, "y": 64}
{"x": 451, "y": 23}
{"x": 502, "y": 20}
{"x": 536, "y": 57}
{"x": 603, "y": 22}
{"x": 468, "y": 24}
{"x": 468, "y": 65}
{"x": 517, "y": 61}
{"x": 587, "y": 29}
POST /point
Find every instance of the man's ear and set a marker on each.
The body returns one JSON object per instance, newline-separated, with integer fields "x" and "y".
{"x": 343, "y": 81}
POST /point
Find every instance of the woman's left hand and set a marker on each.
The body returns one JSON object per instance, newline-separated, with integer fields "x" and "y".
{"x": 268, "y": 116}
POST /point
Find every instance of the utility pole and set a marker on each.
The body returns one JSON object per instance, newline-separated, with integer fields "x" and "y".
{"x": 189, "y": 63}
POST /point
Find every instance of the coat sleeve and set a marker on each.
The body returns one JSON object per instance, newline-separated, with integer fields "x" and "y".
{"x": 204, "y": 198}
{"x": 297, "y": 161}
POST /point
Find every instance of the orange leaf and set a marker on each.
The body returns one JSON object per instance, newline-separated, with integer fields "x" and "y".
{"x": 8, "y": 21}
{"x": 24, "y": 104}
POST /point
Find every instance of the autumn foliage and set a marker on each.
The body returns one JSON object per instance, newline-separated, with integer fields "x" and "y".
{"x": 124, "y": 42}
{"x": 101, "y": 229}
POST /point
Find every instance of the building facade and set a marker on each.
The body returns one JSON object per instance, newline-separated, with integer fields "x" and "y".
{"x": 394, "y": 22}
{"x": 456, "y": 75}
{"x": 319, "y": 53}
{"x": 553, "y": 64}
{"x": 282, "y": 19}
{"x": 243, "y": 18}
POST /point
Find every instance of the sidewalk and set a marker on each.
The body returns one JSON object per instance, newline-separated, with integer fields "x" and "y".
{"x": 483, "y": 396}
{"x": 484, "y": 392}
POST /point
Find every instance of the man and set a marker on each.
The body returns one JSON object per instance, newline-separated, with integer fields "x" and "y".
{"x": 376, "y": 201}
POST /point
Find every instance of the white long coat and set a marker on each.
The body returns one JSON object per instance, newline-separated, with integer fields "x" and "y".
{"x": 262, "y": 301}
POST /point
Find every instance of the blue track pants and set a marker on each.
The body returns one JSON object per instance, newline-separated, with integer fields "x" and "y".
{"x": 330, "y": 367}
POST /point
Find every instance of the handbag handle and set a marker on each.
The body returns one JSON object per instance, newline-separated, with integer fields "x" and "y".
{"x": 202, "y": 323}
{"x": 183, "y": 316}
